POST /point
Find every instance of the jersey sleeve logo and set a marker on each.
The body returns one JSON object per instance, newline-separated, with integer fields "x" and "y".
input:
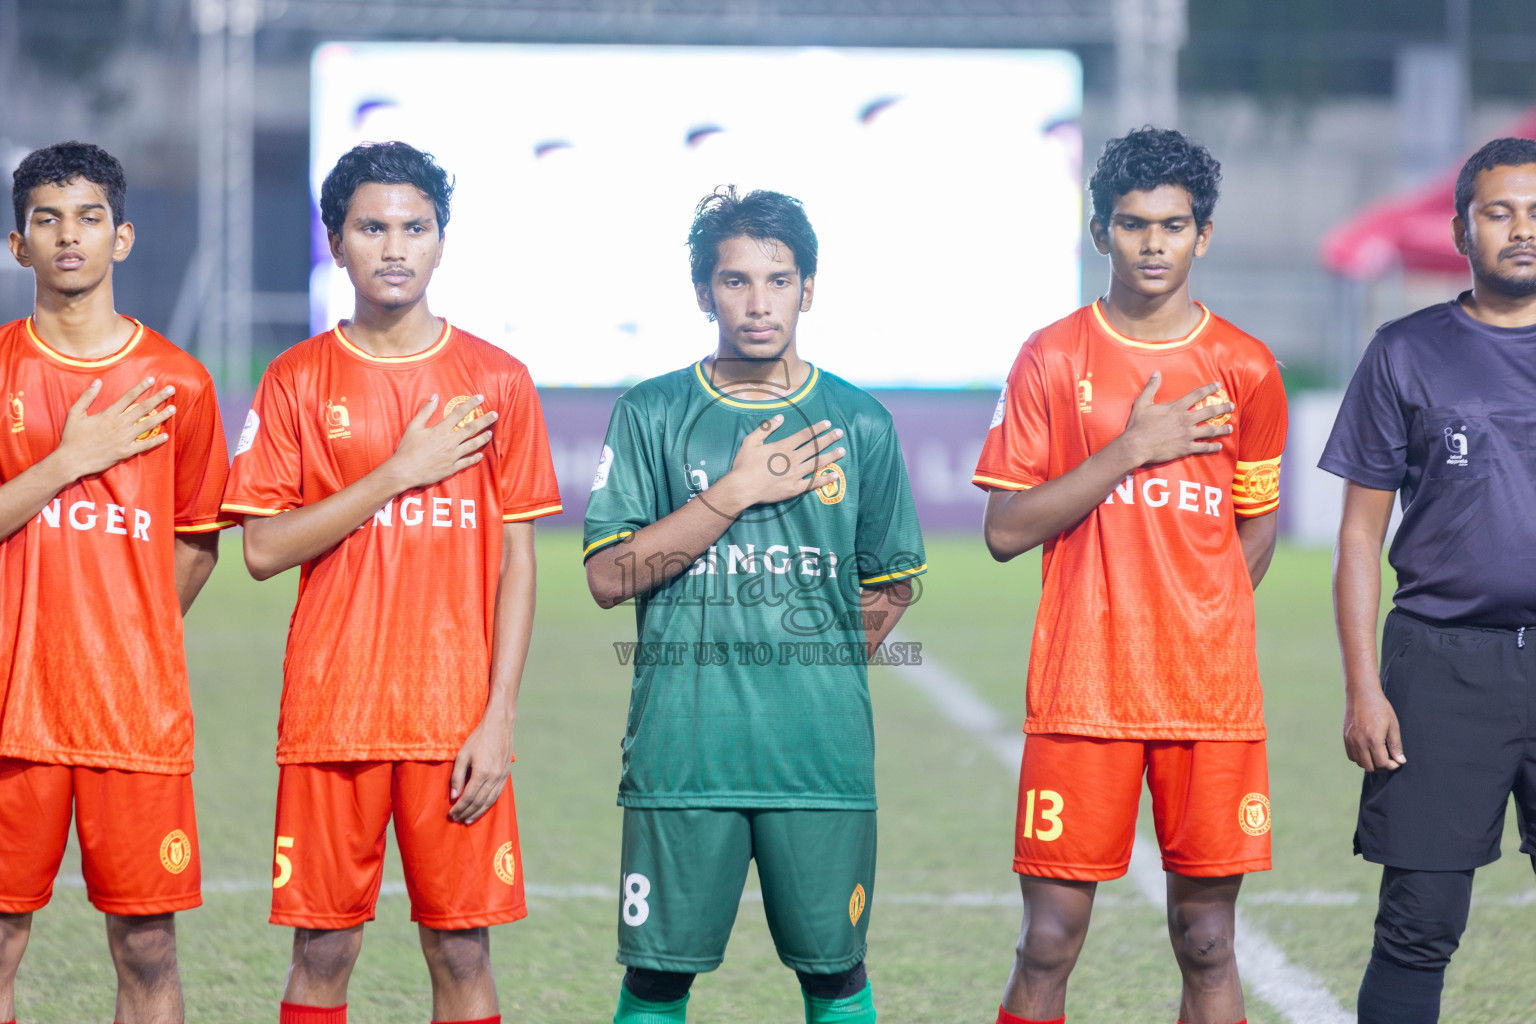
{"x": 1002, "y": 407}
{"x": 337, "y": 421}
{"x": 17, "y": 410}
{"x": 1253, "y": 814}
{"x": 175, "y": 852}
{"x": 248, "y": 433}
{"x": 856, "y": 905}
{"x": 505, "y": 862}
{"x": 604, "y": 464}
{"x": 1218, "y": 397}
{"x": 833, "y": 484}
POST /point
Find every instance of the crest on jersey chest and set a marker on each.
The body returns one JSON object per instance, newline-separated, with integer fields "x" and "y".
{"x": 831, "y": 483}
{"x": 16, "y": 412}
{"x": 1218, "y": 397}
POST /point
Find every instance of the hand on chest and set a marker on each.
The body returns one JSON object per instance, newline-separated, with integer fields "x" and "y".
{"x": 1103, "y": 394}
{"x": 359, "y": 422}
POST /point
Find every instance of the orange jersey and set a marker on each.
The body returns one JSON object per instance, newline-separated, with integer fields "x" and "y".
{"x": 92, "y": 671}
{"x": 1145, "y": 626}
{"x": 389, "y": 647}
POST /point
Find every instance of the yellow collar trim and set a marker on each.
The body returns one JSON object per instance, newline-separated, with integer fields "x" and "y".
{"x": 805, "y": 389}
{"x": 89, "y": 364}
{"x": 1155, "y": 346}
{"x": 415, "y": 357}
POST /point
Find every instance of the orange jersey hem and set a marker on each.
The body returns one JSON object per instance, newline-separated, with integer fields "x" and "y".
{"x": 97, "y": 759}
{"x": 143, "y": 908}
{"x": 326, "y": 922}
{"x": 1220, "y": 869}
{"x": 446, "y": 923}
{"x": 358, "y": 755}
{"x": 1070, "y": 872}
{"x": 1151, "y": 731}
{"x": 987, "y": 482}
{"x": 248, "y": 510}
{"x": 222, "y": 524}
{"x": 517, "y": 517}
{"x": 25, "y": 906}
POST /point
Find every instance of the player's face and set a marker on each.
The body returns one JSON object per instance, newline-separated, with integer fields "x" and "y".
{"x": 757, "y": 296}
{"x": 70, "y": 241}
{"x": 1151, "y": 240}
{"x": 389, "y": 244}
{"x": 1499, "y": 233}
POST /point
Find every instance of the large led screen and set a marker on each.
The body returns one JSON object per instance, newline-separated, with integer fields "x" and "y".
{"x": 944, "y": 186}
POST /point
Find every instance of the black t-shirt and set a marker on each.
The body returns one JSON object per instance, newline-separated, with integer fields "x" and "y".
{"x": 1443, "y": 409}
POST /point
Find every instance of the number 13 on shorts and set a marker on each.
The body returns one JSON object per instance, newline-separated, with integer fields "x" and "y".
{"x": 1042, "y": 815}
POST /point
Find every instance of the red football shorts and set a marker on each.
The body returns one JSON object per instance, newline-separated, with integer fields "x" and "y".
{"x": 328, "y": 861}
{"x": 138, "y": 837}
{"x": 1078, "y": 797}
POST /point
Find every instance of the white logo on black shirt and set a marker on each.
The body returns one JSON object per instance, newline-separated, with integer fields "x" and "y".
{"x": 1456, "y": 444}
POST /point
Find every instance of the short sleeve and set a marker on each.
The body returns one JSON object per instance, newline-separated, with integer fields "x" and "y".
{"x": 1369, "y": 443}
{"x": 1016, "y": 455}
{"x": 527, "y": 473}
{"x": 202, "y": 461}
{"x": 623, "y": 498}
{"x": 889, "y": 541}
{"x": 266, "y": 471}
{"x": 1262, "y": 424}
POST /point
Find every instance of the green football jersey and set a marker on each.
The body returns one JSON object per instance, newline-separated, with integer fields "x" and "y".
{"x": 750, "y": 679}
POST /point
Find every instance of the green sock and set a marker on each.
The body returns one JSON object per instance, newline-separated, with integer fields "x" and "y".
{"x": 858, "y": 1008}
{"x": 634, "y": 1010}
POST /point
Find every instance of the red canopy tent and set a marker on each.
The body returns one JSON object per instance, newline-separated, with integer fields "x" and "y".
{"x": 1411, "y": 230}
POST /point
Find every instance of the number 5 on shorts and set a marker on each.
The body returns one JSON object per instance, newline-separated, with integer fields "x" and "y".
{"x": 281, "y": 862}
{"x": 1050, "y": 815}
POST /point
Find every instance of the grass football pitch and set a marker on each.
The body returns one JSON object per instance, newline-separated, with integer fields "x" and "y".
{"x": 945, "y": 909}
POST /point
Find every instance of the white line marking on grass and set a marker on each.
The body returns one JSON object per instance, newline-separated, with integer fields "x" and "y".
{"x": 1298, "y": 994}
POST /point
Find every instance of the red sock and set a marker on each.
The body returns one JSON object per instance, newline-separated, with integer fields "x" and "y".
{"x": 295, "y": 1013}
{"x": 1004, "y": 1017}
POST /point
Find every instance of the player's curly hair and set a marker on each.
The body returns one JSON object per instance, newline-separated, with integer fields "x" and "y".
{"x": 62, "y": 163}
{"x": 387, "y": 163}
{"x": 724, "y": 214}
{"x": 1511, "y": 151}
{"x": 1149, "y": 157}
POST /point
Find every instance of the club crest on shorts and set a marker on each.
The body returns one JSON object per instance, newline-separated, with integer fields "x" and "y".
{"x": 856, "y": 905}
{"x": 505, "y": 862}
{"x": 833, "y": 485}
{"x": 175, "y": 851}
{"x": 1253, "y": 814}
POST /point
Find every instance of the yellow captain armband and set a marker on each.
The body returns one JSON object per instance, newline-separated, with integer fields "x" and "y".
{"x": 1256, "y": 487}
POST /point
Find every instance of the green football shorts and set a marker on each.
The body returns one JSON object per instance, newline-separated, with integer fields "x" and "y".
{"x": 683, "y": 870}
